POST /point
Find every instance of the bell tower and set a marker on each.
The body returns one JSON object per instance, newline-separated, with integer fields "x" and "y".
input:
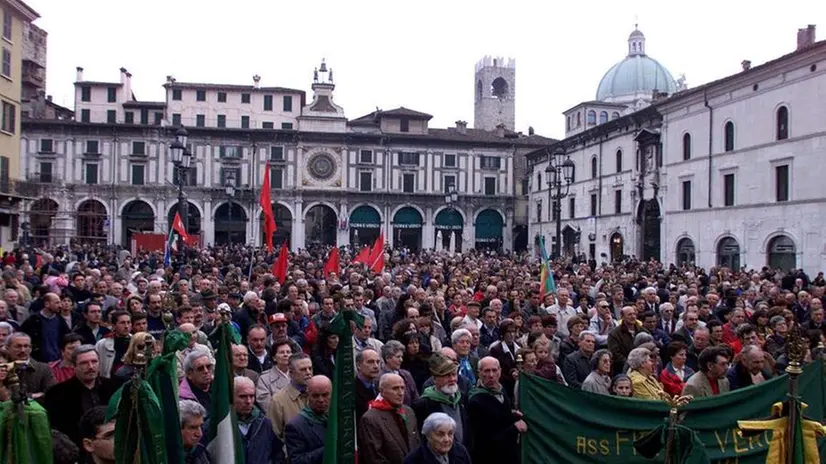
{"x": 495, "y": 93}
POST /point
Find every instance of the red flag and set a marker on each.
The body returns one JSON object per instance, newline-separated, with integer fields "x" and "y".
{"x": 332, "y": 263}
{"x": 377, "y": 253}
{"x": 178, "y": 226}
{"x": 279, "y": 269}
{"x": 363, "y": 256}
{"x": 266, "y": 208}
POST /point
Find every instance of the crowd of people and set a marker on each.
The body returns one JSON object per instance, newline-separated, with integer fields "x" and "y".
{"x": 437, "y": 358}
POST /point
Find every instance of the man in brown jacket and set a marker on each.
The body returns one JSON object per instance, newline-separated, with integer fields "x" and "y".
{"x": 388, "y": 430}
{"x": 621, "y": 339}
{"x": 287, "y": 403}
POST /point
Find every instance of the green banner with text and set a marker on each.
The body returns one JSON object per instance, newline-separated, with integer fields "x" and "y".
{"x": 574, "y": 426}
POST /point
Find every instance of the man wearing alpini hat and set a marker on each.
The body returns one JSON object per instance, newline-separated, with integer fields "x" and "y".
{"x": 443, "y": 396}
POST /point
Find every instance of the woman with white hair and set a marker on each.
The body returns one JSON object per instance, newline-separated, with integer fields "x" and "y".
{"x": 641, "y": 367}
{"x": 192, "y": 422}
{"x": 439, "y": 446}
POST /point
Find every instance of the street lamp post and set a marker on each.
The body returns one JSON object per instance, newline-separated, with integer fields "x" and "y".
{"x": 229, "y": 187}
{"x": 559, "y": 174}
{"x": 451, "y": 198}
{"x": 181, "y": 159}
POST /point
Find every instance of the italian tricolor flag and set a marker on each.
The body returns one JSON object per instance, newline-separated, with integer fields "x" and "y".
{"x": 223, "y": 437}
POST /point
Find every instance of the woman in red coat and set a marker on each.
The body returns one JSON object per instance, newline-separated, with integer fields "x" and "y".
{"x": 676, "y": 373}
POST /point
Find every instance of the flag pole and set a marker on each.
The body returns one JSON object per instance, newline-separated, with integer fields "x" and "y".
{"x": 795, "y": 351}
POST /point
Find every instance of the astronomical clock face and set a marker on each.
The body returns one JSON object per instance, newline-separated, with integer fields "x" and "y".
{"x": 322, "y": 169}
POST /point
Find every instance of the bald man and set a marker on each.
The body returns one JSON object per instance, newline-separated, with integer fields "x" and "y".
{"x": 190, "y": 329}
{"x": 261, "y": 445}
{"x": 381, "y": 436}
{"x": 494, "y": 425}
{"x": 304, "y": 434}
{"x": 46, "y": 330}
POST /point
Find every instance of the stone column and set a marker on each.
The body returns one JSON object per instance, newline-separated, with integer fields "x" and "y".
{"x": 428, "y": 229}
{"x": 507, "y": 234}
{"x": 298, "y": 225}
{"x": 207, "y": 224}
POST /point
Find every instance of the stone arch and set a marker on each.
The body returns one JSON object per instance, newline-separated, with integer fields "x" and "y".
{"x": 681, "y": 240}
{"x": 91, "y": 215}
{"x": 42, "y": 214}
{"x": 728, "y": 260}
{"x": 316, "y": 203}
{"x": 235, "y": 204}
{"x": 92, "y": 197}
{"x": 259, "y": 211}
{"x": 374, "y": 206}
{"x": 129, "y": 201}
{"x": 191, "y": 204}
{"x": 777, "y": 233}
{"x": 407, "y": 205}
{"x": 479, "y": 90}
{"x": 442, "y": 208}
{"x": 499, "y": 88}
{"x": 782, "y": 129}
{"x": 493, "y": 208}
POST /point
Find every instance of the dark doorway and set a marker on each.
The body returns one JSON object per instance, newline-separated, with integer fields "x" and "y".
{"x": 728, "y": 253}
{"x": 782, "y": 253}
{"x": 283, "y": 226}
{"x": 321, "y": 225}
{"x": 91, "y": 220}
{"x": 617, "y": 247}
{"x": 193, "y": 226}
{"x": 568, "y": 241}
{"x": 230, "y": 224}
{"x": 685, "y": 252}
{"x": 648, "y": 217}
{"x": 138, "y": 218}
{"x": 42, "y": 214}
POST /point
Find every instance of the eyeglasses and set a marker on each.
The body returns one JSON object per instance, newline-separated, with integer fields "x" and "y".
{"x": 205, "y": 368}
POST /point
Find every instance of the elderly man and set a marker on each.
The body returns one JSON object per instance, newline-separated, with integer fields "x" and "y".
{"x": 577, "y": 366}
{"x": 192, "y": 422}
{"x": 388, "y": 431}
{"x": 621, "y": 339}
{"x": 362, "y": 338}
{"x": 68, "y": 400}
{"x": 259, "y": 358}
{"x": 711, "y": 379}
{"x": 261, "y": 445}
{"x": 444, "y": 395}
{"x": 495, "y": 425}
{"x": 562, "y": 310}
{"x": 702, "y": 340}
{"x": 190, "y": 330}
{"x": 39, "y": 377}
{"x": 46, "y": 330}
{"x": 749, "y": 370}
{"x": 304, "y": 434}
{"x": 461, "y": 340}
{"x": 198, "y": 374}
{"x": 368, "y": 364}
{"x": 290, "y": 400}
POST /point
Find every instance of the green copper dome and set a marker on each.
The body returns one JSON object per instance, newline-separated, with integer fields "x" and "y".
{"x": 636, "y": 75}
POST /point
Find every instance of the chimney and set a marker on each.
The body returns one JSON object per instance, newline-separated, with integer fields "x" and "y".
{"x": 530, "y": 130}
{"x": 746, "y": 64}
{"x": 256, "y": 81}
{"x": 48, "y": 97}
{"x": 500, "y": 131}
{"x": 79, "y": 77}
{"x": 128, "y": 87}
{"x": 170, "y": 79}
{"x": 806, "y": 37}
{"x": 123, "y": 76}
{"x": 461, "y": 127}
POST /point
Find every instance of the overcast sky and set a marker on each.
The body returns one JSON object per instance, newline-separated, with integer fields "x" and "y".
{"x": 420, "y": 55}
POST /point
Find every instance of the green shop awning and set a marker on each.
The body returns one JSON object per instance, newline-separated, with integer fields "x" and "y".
{"x": 408, "y": 218}
{"x": 449, "y": 219}
{"x": 365, "y": 217}
{"x": 489, "y": 226}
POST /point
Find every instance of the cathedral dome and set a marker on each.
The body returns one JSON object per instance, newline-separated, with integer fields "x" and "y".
{"x": 636, "y": 76}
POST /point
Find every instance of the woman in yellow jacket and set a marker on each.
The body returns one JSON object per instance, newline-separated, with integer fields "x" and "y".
{"x": 641, "y": 371}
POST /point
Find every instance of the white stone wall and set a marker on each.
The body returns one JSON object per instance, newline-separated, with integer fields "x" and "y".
{"x": 233, "y": 110}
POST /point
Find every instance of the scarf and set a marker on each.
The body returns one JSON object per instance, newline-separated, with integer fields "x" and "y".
{"x": 256, "y": 413}
{"x": 382, "y": 405}
{"x": 466, "y": 370}
{"x": 497, "y": 393}
{"x": 433, "y": 394}
{"x": 314, "y": 418}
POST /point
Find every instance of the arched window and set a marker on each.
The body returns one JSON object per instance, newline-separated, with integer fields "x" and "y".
{"x": 619, "y": 160}
{"x": 539, "y": 180}
{"x": 578, "y": 119}
{"x": 592, "y": 118}
{"x": 686, "y": 146}
{"x": 728, "y": 136}
{"x": 614, "y": 115}
{"x": 594, "y": 167}
{"x": 782, "y": 123}
{"x": 573, "y": 173}
{"x": 568, "y": 123}
{"x": 603, "y": 117}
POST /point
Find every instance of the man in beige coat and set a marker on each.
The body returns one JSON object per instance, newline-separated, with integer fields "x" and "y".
{"x": 711, "y": 379}
{"x": 287, "y": 403}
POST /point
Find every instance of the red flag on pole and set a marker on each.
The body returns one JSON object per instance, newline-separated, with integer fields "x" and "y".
{"x": 279, "y": 269}
{"x": 332, "y": 263}
{"x": 266, "y": 208}
{"x": 363, "y": 256}
{"x": 178, "y": 226}
{"x": 377, "y": 254}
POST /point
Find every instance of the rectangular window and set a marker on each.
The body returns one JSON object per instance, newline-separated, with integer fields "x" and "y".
{"x": 7, "y": 64}
{"x": 200, "y": 120}
{"x": 408, "y": 182}
{"x": 686, "y": 195}
{"x": 490, "y": 186}
{"x": 245, "y": 122}
{"x": 177, "y": 94}
{"x": 245, "y": 98}
{"x": 728, "y": 190}
{"x": 222, "y": 120}
{"x": 85, "y": 116}
{"x": 8, "y": 18}
{"x": 111, "y": 116}
{"x": 365, "y": 181}
{"x": 129, "y": 118}
{"x": 593, "y": 205}
{"x": 554, "y": 213}
{"x": 490, "y": 162}
{"x": 617, "y": 201}
{"x": 112, "y": 94}
{"x": 267, "y": 102}
{"x": 92, "y": 147}
{"x": 9, "y": 117}
{"x": 366, "y": 156}
{"x": 225, "y": 173}
{"x": 450, "y": 183}
{"x": 91, "y": 173}
{"x": 222, "y": 97}
{"x": 525, "y": 186}
{"x": 277, "y": 154}
{"x": 571, "y": 208}
{"x": 86, "y": 93}
{"x": 176, "y": 119}
{"x": 539, "y": 212}
{"x": 288, "y": 103}
{"x": 287, "y": 125}
{"x": 200, "y": 95}
{"x": 276, "y": 178}
{"x": 145, "y": 116}
{"x": 404, "y": 125}
{"x": 5, "y": 174}
{"x": 450, "y": 161}
{"x": 138, "y": 174}
{"x": 781, "y": 176}
{"x": 268, "y": 125}
{"x": 46, "y": 173}
{"x": 192, "y": 176}
{"x": 230, "y": 152}
{"x": 409, "y": 159}
{"x": 46, "y": 146}
{"x": 158, "y": 118}
{"x": 139, "y": 148}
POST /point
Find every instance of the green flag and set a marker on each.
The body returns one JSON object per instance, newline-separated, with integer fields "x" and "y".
{"x": 340, "y": 442}
{"x": 223, "y": 438}
{"x": 139, "y": 433}
{"x": 162, "y": 375}
{"x": 25, "y": 437}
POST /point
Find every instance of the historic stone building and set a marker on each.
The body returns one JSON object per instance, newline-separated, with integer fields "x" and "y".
{"x": 108, "y": 174}
{"x": 727, "y": 173}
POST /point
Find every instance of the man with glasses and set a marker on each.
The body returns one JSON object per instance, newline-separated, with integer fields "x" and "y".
{"x": 602, "y": 323}
{"x": 711, "y": 379}
{"x": 98, "y": 436}
{"x": 198, "y": 375}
